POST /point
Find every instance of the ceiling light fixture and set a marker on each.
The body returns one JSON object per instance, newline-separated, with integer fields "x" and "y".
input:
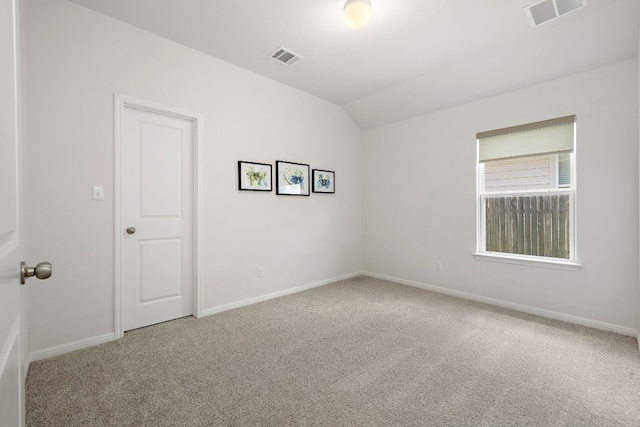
{"x": 357, "y": 13}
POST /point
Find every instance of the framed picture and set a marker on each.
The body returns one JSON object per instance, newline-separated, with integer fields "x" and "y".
{"x": 254, "y": 176}
{"x": 292, "y": 179}
{"x": 324, "y": 181}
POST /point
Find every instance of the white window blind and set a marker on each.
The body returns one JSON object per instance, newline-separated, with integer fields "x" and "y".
{"x": 546, "y": 137}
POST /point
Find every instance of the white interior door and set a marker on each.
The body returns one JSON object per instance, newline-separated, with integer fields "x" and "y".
{"x": 11, "y": 325}
{"x": 156, "y": 185}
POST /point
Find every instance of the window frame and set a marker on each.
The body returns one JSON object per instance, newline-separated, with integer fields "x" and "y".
{"x": 481, "y": 254}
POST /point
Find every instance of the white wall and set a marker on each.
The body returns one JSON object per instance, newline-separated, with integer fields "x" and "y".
{"x": 74, "y": 60}
{"x": 419, "y": 198}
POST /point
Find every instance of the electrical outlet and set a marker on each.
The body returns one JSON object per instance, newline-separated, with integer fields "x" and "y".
{"x": 438, "y": 265}
{"x": 260, "y": 271}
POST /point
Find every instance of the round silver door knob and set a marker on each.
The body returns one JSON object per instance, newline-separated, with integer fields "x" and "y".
{"x": 42, "y": 271}
{"x": 131, "y": 230}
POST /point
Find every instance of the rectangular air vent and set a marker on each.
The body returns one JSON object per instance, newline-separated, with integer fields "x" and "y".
{"x": 547, "y": 10}
{"x": 285, "y": 56}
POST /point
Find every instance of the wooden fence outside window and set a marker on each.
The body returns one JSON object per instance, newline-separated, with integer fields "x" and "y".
{"x": 528, "y": 225}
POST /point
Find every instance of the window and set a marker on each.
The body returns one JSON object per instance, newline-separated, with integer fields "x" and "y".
{"x": 526, "y": 197}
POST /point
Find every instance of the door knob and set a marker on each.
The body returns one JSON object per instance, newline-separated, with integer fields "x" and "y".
{"x": 131, "y": 230}
{"x": 42, "y": 271}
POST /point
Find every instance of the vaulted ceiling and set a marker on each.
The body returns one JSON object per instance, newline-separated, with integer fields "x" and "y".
{"x": 415, "y": 57}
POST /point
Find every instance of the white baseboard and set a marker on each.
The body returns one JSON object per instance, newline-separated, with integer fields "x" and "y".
{"x": 238, "y": 304}
{"x": 596, "y": 324}
{"x": 68, "y": 347}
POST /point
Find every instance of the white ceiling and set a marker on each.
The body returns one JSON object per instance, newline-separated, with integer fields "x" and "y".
{"x": 416, "y": 56}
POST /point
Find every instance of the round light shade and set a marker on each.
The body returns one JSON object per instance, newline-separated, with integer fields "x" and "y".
{"x": 357, "y": 13}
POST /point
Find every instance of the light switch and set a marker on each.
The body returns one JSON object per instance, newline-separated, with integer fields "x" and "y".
{"x": 98, "y": 193}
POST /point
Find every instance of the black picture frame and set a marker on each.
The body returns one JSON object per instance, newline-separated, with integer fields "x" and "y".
{"x": 254, "y": 176}
{"x": 324, "y": 181}
{"x": 292, "y": 179}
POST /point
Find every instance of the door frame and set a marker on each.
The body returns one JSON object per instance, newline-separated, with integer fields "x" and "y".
{"x": 122, "y": 102}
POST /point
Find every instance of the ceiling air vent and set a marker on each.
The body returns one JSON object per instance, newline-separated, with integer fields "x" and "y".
{"x": 285, "y": 56}
{"x": 547, "y": 10}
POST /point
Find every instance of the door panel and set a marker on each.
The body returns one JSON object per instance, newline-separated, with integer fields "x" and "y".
{"x": 159, "y": 278}
{"x": 8, "y": 189}
{"x": 161, "y": 168}
{"x": 10, "y": 382}
{"x": 11, "y": 338}
{"x": 157, "y": 199}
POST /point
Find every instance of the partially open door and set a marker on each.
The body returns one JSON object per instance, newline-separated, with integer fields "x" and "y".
{"x": 12, "y": 347}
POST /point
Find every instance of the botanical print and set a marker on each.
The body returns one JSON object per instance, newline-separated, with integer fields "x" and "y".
{"x": 293, "y": 178}
{"x": 254, "y": 176}
{"x": 257, "y": 176}
{"x": 324, "y": 181}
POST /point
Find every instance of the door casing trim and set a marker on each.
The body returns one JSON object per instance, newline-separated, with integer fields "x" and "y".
{"x": 120, "y": 103}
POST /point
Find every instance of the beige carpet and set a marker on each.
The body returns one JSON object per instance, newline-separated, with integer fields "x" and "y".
{"x": 360, "y": 352}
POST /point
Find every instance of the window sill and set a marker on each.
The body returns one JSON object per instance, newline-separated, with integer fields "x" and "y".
{"x": 528, "y": 261}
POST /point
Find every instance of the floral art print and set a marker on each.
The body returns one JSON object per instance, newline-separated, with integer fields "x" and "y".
{"x": 292, "y": 178}
{"x": 254, "y": 176}
{"x": 324, "y": 181}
